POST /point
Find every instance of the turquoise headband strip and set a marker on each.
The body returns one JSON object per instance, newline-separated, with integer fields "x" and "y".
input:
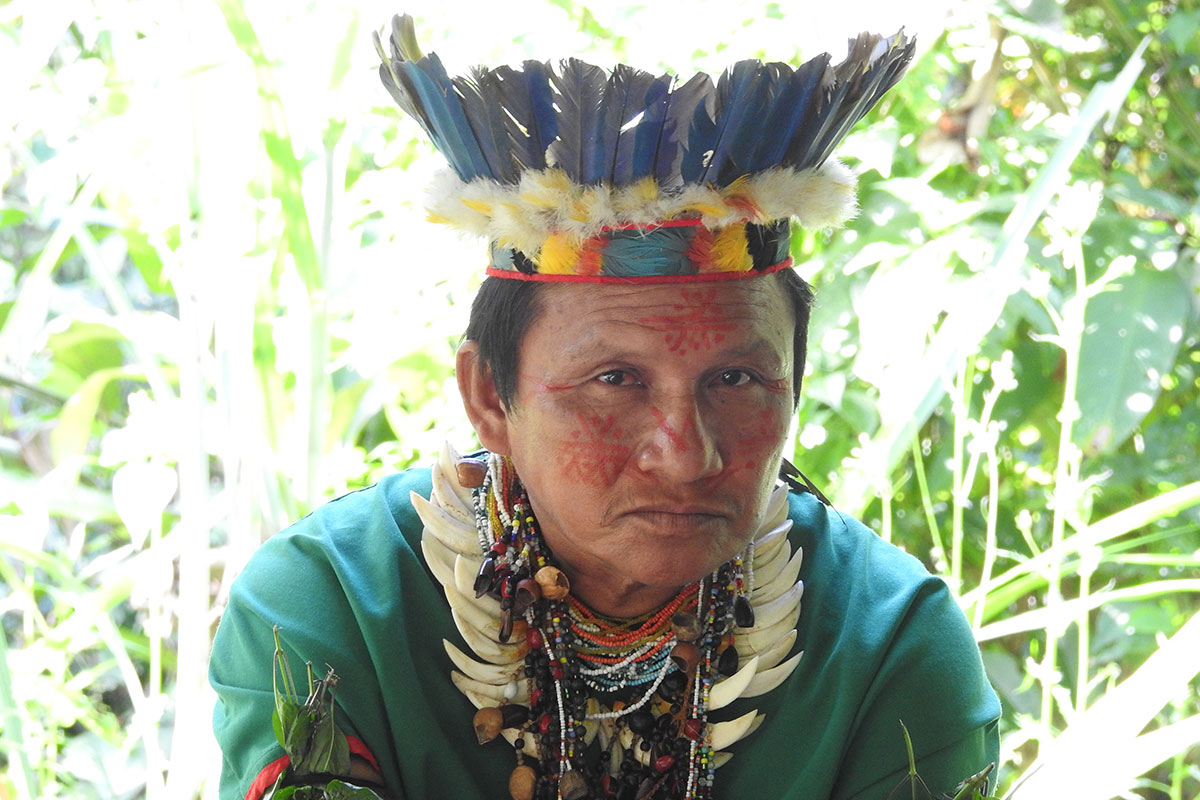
{"x": 680, "y": 251}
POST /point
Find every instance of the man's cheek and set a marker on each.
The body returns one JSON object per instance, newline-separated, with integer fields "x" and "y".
{"x": 592, "y": 448}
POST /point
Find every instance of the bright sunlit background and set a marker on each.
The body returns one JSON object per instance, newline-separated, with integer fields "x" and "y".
{"x": 220, "y": 305}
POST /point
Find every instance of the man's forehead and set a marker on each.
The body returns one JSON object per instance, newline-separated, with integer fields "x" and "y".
{"x": 743, "y": 319}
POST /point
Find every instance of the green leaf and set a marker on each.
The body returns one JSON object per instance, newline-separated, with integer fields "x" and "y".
{"x": 145, "y": 258}
{"x": 75, "y": 421}
{"x": 1131, "y": 338}
{"x": 1181, "y": 29}
{"x": 340, "y": 790}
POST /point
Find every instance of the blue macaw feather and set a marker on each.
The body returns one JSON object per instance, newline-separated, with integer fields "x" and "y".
{"x": 863, "y": 82}
{"x": 633, "y": 87}
{"x": 617, "y": 128}
{"x": 632, "y": 253}
{"x": 736, "y": 92}
{"x": 529, "y": 111}
{"x": 579, "y": 88}
{"x": 648, "y": 133}
{"x": 791, "y": 108}
{"x": 431, "y": 89}
{"x": 742, "y": 141}
{"x": 481, "y": 102}
{"x": 685, "y": 103}
{"x": 701, "y": 134}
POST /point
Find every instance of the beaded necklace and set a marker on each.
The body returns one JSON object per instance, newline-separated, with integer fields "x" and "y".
{"x": 643, "y": 682}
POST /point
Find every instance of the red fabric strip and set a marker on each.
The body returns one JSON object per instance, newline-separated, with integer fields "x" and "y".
{"x": 270, "y": 773}
{"x": 699, "y": 277}
{"x": 266, "y": 779}
{"x": 357, "y": 748}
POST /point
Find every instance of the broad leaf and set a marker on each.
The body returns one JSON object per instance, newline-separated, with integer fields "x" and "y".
{"x": 1131, "y": 339}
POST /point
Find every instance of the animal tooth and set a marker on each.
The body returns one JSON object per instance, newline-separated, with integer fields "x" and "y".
{"x": 485, "y": 648}
{"x": 726, "y": 691}
{"x": 765, "y": 545}
{"x": 443, "y": 496}
{"x": 459, "y": 537}
{"x": 440, "y": 560}
{"x": 767, "y": 680}
{"x": 759, "y": 638}
{"x": 766, "y": 591}
{"x": 768, "y": 567}
{"x": 484, "y": 673}
{"x": 723, "y": 734}
{"x": 768, "y": 614}
{"x": 466, "y": 569}
{"x": 494, "y": 694}
{"x": 777, "y": 504}
{"x": 448, "y": 461}
{"x": 482, "y": 612}
{"x": 721, "y": 759}
{"x": 776, "y": 652}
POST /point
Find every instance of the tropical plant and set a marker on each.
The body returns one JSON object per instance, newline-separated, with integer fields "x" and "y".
{"x": 211, "y": 320}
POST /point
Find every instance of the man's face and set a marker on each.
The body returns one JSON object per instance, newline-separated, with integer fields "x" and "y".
{"x": 649, "y": 423}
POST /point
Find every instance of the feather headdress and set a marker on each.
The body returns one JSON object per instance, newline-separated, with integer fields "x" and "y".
{"x": 581, "y": 174}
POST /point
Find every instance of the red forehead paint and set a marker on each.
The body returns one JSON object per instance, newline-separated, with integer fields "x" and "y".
{"x": 698, "y": 322}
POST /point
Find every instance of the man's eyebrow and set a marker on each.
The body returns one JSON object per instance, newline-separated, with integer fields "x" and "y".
{"x": 596, "y": 348}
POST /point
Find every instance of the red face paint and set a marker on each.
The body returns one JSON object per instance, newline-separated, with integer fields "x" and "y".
{"x": 761, "y": 435}
{"x": 676, "y": 436}
{"x": 595, "y": 452}
{"x": 698, "y": 324}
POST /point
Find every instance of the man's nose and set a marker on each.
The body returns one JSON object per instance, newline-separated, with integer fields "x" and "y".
{"x": 680, "y": 445}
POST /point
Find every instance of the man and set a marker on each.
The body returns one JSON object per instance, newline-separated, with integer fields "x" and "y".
{"x": 618, "y": 597}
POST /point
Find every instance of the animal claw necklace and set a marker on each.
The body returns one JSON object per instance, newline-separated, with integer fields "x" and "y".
{"x": 616, "y": 707}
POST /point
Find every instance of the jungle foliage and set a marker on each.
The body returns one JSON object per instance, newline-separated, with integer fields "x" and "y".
{"x": 212, "y": 318}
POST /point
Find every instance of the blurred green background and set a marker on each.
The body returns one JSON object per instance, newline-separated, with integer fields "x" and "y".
{"x": 220, "y": 306}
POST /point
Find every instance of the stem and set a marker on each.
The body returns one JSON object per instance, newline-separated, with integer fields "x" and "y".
{"x": 1066, "y": 469}
{"x": 993, "y": 513}
{"x": 1084, "y": 643}
{"x": 927, "y": 500}
{"x": 962, "y": 410}
{"x": 22, "y": 775}
{"x": 885, "y": 511}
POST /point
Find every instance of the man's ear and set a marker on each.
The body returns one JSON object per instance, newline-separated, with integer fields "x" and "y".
{"x": 487, "y": 414}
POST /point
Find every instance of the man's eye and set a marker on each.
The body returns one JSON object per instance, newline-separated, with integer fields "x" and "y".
{"x": 615, "y": 377}
{"x": 734, "y": 377}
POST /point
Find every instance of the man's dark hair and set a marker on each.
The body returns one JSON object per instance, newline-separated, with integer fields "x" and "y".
{"x": 504, "y": 309}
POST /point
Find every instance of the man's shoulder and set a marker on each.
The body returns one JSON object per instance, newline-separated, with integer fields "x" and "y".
{"x": 853, "y": 575}
{"x": 338, "y": 539}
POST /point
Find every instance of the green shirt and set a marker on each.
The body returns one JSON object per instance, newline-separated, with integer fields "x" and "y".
{"x": 883, "y": 641}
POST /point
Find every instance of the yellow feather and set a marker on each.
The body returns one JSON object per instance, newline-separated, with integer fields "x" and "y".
{"x": 636, "y": 196}
{"x": 478, "y": 205}
{"x": 706, "y": 209}
{"x": 558, "y": 256}
{"x": 545, "y": 189}
{"x": 729, "y": 250}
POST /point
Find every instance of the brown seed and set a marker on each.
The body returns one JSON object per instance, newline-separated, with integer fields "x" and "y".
{"x": 686, "y": 656}
{"x": 489, "y": 721}
{"x": 522, "y": 783}
{"x": 528, "y": 592}
{"x": 514, "y": 715}
{"x": 572, "y": 786}
{"x": 686, "y": 626}
{"x": 470, "y": 473}
{"x": 554, "y": 583}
